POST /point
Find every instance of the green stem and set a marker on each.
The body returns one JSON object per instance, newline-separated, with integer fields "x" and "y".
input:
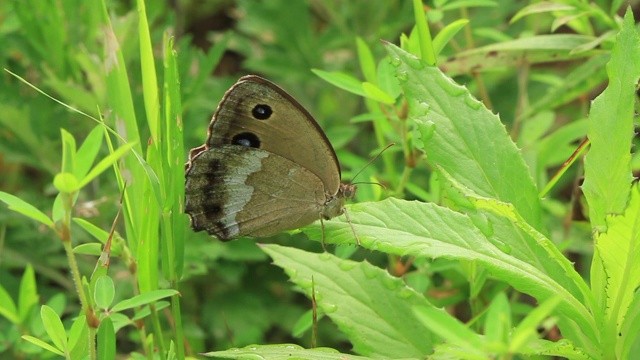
{"x": 77, "y": 280}
{"x": 406, "y": 173}
{"x": 177, "y": 318}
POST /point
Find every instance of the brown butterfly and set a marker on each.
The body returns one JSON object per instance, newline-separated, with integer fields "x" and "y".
{"x": 266, "y": 167}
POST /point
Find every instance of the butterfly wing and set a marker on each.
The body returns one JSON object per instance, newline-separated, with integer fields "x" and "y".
{"x": 234, "y": 191}
{"x": 257, "y": 113}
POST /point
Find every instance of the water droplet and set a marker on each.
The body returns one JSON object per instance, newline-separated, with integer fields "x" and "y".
{"x": 449, "y": 86}
{"x": 473, "y": 103}
{"x": 395, "y": 61}
{"x": 504, "y": 247}
{"x": 402, "y": 76}
{"x": 325, "y": 256}
{"x": 370, "y": 272}
{"x": 405, "y": 293}
{"x": 428, "y": 130}
{"x": 329, "y": 308}
{"x": 348, "y": 265}
{"x": 305, "y": 283}
{"x": 390, "y": 282}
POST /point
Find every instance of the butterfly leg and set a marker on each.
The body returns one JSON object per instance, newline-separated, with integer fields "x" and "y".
{"x": 346, "y": 214}
{"x": 324, "y": 246}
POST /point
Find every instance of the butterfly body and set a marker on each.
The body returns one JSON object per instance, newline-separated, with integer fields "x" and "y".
{"x": 266, "y": 167}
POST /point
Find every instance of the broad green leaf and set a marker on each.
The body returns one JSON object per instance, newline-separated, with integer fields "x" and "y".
{"x": 370, "y": 306}
{"x": 42, "y": 344}
{"x": 28, "y": 297}
{"x": 104, "y": 292}
{"x": 425, "y": 230}
{"x": 18, "y": 205}
{"x": 469, "y": 141}
{"x": 341, "y": 80}
{"x": 630, "y": 327}
{"x": 607, "y": 165}
{"x": 143, "y": 299}
{"x": 106, "y": 339}
{"x": 8, "y": 307}
{"x": 54, "y": 328}
{"x": 619, "y": 252}
{"x": 282, "y": 352}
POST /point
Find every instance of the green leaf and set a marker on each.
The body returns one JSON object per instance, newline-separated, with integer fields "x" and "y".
{"x": 88, "y": 151}
{"x": 527, "y": 331}
{"x": 377, "y": 94}
{"x": 630, "y": 327}
{"x": 143, "y": 299}
{"x": 449, "y": 328}
{"x": 541, "y": 7}
{"x": 42, "y": 344}
{"x": 28, "y": 297}
{"x": 498, "y": 325}
{"x": 426, "y": 230}
{"x": 341, "y": 80}
{"x": 370, "y": 306}
{"x": 105, "y": 163}
{"x": 104, "y": 292}
{"x": 8, "y": 307}
{"x": 106, "y": 339}
{"x": 95, "y": 231}
{"x": 78, "y": 335}
{"x": 452, "y": 5}
{"x": 469, "y": 141}
{"x": 367, "y": 63}
{"x": 423, "y": 34}
{"x": 607, "y": 165}
{"x": 54, "y": 328}
{"x": 88, "y": 249}
{"x": 618, "y": 250}
{"x": 66, "y": 183}
{"x": 533, "y": 50}
{"x": 18, "y": 205}
{"x": 281, "y": 352}
{"x": 68, "y": 152}
{"x": 446, "y": 34}
{"x": 387, "y": 78}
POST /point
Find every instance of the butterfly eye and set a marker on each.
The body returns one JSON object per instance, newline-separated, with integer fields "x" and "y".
{"x": 246, "y": 139}
{"x": 262, "y": 112}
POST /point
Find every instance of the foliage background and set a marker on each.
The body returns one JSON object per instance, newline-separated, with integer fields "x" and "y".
{"x": 231, "y": 288}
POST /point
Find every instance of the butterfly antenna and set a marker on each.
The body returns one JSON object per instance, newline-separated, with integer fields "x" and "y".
{"x": 369, "y": 163}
